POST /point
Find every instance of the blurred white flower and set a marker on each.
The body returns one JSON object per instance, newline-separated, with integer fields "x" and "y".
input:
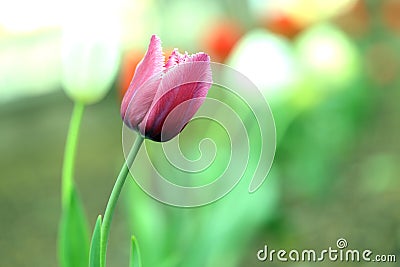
{"x": 327, "y": 56}
{"x": 268, "y": 61}
{"x": 90, "y": 50}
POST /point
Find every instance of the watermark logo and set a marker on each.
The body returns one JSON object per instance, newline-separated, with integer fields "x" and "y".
{"x": 341, "y": 243}
{"x": 339, "y": 253}
{"x": 232, "y": 136}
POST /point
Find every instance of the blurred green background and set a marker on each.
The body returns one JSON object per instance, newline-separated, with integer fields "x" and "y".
{"x": 329, "y": 70}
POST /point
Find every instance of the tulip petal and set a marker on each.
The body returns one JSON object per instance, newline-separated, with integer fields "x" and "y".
{"x": 176, "y": 58}
{"x": 144, "y": 84}
{"x": 183, "y": 87}
{"x": 173, "y": 59}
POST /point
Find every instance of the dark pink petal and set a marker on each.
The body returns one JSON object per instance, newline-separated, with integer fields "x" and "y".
{"x": 183, "y": 89}
{"x": 144, "y": 84}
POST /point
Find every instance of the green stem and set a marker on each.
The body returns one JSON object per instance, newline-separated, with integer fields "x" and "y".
{"x": 70, "y": 152}
{"x": 119, "y": 183}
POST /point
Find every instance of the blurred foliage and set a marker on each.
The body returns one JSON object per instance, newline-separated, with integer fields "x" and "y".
{"x": 336, "y": 110}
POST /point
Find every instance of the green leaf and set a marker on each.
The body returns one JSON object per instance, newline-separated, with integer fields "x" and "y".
{"x": 74, "y": 237}
{"x": 135, "y": 254}
{"x": 94, "y": 255}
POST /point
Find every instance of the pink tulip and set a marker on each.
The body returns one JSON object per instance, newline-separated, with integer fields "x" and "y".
{"x": 163, "y": 97}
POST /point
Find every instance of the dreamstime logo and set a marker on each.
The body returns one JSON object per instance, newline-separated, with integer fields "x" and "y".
{"x": 232, "y": 136}
{"x": 340, "y": 253}
{"x": 341, "y": 243}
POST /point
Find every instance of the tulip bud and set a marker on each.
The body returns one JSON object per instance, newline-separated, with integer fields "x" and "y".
{"x": 163, "y": 97}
